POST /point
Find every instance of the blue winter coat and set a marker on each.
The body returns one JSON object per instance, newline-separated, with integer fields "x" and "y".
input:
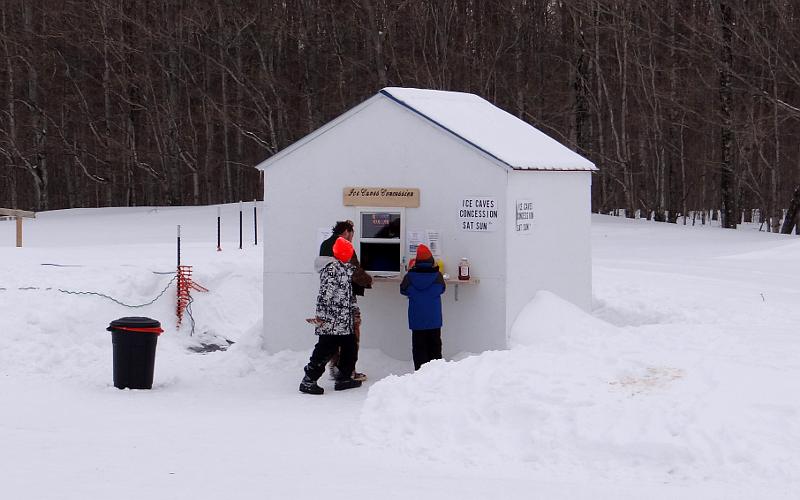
{"x": 423, "y": 285}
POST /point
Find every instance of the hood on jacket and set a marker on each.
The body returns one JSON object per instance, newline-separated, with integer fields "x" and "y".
{"x": 322, "y": 261}
{"x": 423, "y": 275}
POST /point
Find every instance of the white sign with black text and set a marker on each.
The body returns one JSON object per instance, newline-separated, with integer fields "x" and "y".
{"x": 478, "y": 214}
{"x": 524, "y": 217}
{"x": 434, "y": 242}
{"x": 413, "y": 240}
{"x": 428, "y": 237}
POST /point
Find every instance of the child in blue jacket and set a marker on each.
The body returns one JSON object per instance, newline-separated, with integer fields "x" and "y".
{"x": 424, "y": 285}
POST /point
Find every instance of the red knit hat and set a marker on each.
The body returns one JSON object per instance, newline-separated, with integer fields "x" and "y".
{"x": 424, "y": 253}
{"x": 343, "y": 249}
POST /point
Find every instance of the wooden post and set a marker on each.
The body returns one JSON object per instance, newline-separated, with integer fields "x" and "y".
{"x": 219, "y": 229}
{"x": 18, "y": 215}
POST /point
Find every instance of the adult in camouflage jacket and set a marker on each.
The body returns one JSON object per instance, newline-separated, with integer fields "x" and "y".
{"x": 361, "y": 281}
{"x": 335, "y": 312}
{"x": 336, "y": 302}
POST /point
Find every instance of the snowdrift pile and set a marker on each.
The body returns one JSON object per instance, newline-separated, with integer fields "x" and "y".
{"x": 577, "y": 393}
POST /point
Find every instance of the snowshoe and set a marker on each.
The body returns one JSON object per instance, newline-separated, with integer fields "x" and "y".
{"x": 361, "y": 377}
{"x": 309, "y": 386}
{"x": 343, "y": 385}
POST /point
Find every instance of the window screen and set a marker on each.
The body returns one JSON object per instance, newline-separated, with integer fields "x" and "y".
{"x": 380, "y": 225}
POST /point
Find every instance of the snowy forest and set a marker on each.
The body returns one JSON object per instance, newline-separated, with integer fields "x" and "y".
{"x": 683, "y": 105}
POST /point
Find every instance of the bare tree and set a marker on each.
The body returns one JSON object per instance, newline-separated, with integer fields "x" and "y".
{"x": 683, "y": 105}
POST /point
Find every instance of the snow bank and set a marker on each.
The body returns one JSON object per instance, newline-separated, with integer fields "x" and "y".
{"x": 577, "y": 394}
{"x": 548, "y": 319}
{"x": 519, "y": 405}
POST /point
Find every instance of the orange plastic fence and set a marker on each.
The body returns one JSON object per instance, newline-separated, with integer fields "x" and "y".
{"x": 185, "y": 287}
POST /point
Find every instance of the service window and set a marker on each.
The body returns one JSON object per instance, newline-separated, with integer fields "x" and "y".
{"x": 380, "y": 240}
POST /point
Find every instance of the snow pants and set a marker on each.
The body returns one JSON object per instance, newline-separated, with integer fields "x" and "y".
{"x": 426, "y": 345}
{"x": 326, "y": 346}
{"x": 357, "y": 328}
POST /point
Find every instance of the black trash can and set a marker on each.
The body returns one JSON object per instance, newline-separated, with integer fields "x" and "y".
{"x": 134, "y": 340}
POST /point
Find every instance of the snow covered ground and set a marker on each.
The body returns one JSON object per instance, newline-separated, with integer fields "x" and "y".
{"x": 682, "y": 383}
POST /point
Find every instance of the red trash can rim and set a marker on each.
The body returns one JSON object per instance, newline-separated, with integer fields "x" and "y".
{"x": 136, "y": 324}
{"x": 156, "y": 330}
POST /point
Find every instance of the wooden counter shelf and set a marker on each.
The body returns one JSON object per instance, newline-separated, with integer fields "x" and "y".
{"x": 450, "y": 282}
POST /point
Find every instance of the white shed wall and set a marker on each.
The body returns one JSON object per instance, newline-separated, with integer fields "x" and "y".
{"x": 556, "y": 255}
{"x": 383, "y": 145}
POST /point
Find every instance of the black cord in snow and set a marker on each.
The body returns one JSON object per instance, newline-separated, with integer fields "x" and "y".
{"x": 122, "y": 303}
{"x": 189, "y": 313}
{"x": 81, "y": 265}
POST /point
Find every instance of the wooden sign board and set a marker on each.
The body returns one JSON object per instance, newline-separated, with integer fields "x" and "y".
{"x": 17, "y": 213}
{"x": 358, "y": 196}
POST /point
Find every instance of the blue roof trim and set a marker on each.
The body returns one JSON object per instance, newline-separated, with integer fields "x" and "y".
{"x": 423, "y": 115}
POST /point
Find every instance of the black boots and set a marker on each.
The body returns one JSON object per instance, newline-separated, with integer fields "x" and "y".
{"x": 348, "y": 383}
{"x": 309, "y": 386}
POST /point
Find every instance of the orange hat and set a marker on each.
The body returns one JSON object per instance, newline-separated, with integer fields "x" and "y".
{"x": 343, "y": 249}
{"x": 423, "y": 253}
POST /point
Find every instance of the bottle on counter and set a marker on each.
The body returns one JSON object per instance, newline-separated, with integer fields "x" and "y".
{"x": 463, "y": 269}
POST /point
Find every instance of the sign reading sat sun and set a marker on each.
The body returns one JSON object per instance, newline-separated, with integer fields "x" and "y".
{"x": 524, "y": 217}
{"x": 478, "y": 214}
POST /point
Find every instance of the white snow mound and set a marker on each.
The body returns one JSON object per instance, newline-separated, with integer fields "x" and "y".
{"x": 575, "y": 393}
{"x": 548, "y": 318}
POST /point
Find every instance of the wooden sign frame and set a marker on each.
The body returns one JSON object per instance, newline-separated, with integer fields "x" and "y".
{"x": 363, "y": 196}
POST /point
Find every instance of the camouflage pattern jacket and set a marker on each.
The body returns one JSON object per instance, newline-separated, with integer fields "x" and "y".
{"x": 336, "y": 302}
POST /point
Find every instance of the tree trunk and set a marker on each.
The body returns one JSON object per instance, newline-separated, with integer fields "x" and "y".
{"x": 727, "y": 172}
{"x": 671, "y": 184}
{"x": 38, "y": 167}
{"x": 228, "y": 175}
{"x": 774, "y": 211}
{"x": 792, "y": 214}
{"x": 109, "y": 164}
{"x": 10, "y": 122}
{"x": 375, "y": 34}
